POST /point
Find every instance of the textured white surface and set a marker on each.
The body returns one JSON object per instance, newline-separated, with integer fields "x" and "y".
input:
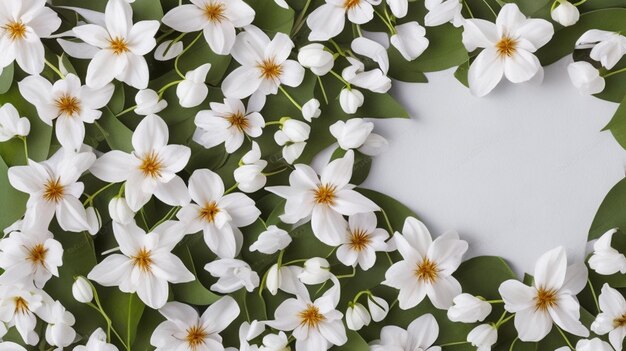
{"x": 516, "y": 173}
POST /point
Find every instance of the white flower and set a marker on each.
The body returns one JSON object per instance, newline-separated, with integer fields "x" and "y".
{"x": 11, "y": 346}
{"x": 350, "y": 100}
{"x": 292, "y": 136}
{"x": 229, "y": 123}
{"x": 167, "y": 51}
{"x": 374, "y": 80}
{"x": 22, "y": 25}
{"x": 427, "y": 266}
{"x": 11, "y": 124}
{"x": 316, "y": 58}
{"x": 145, "y": 264}
{"x": 612, "y": 319}
{"x": 398, "y": 8}
{"x": 286, "y": 279}
{"x": 606, "y": 260}
{"x": 30, "y": 257}
{"x": 311, "y": 109}
{"x": 59, "y": 331}
{"x": 148, "y": 102}
{"x": 264, "y": 64}
{"x": 373, "y": 50}
{"x": 594, "y": 344}
{"x": 273, "y": 239}
{"x": 150, "y": 169}
{"x": 316, "y": 271}
{"x": 361, "y": 241}
{"x": 122, "y": 47}
{"x": 233, "y": 275}
{"x": 469, "y": 309}
{"x": 183, "y": 329}
{"x": 565, "y": 13}
{"x": 93, "y": 220}
{"x": 551, "y": 299}
{"x": 443, "y": 11}
{"x": 356, "y": 133}
{"x": 219, "y": 216}
{"x": 17, "y": 308}
{"x": 410, "y": 40}
{"x": 316, "y": 324}
{"x": 67, "y": 101}
{"x": 326, "y": 200}
{"x": 275, "y": 342}
{"x": 419, "y": 335}
{"x": 508, "y": 45}
{"x": 247, "y": 332}
{"x": 606, "y": 47}
{"x": 249, "y": 175}
{"x": 192, "y": 90}
{"x": 97, "y": 342}
{"x": 53, "y": 187}
{"x": 378, "y": 307}
{"x": 328, "y": 20}
{"x": 217, "y": 19}
{"x": 81, "y": 290}
{"x": 483, "y": 337}
{"x": 119, "y": 211}
{"x": 585, "y": 77}
{"x": 357, "y": 317}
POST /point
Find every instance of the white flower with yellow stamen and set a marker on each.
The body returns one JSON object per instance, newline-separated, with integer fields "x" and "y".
{"x": 361, "y": 241}
{"x": 217, "y": 19}
{"x": 22, "y": 25}
{"x": 264, "y": 64}
{"x": 54, "y": 188}
{"x": 328, "y": 20}
{"x": 150, "y": 169}
{"x": 508, "y": 45}
{"x": 146, "y": 264}
{"x": 30, "y": 257}
{"x": 427, "y": 266}
{"x": 612, "y": 319}
{"x": 122, "y": 47}
{"x": 326, "y": 200}
{"x": 183, "y": 329}
{"x": 551, "y": 298}
{"x": 219, "y": 216}
{"x": 68, "y": 102}
{"x": 229, "y": 123}
{"x": 316, "y": 325}
{"x": 18, "y": 307}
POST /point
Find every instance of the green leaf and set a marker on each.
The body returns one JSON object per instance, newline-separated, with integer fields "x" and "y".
{"x": 400, "y": 70}
{"x": 9, "y": 195}
{"x": 192, "y": 292}
{"x": 445, "y": 50}
{"x": 147, "y": 10}
{"x": 612, "y": 212}
{"x": 355, "y": 343}
{"x": 125, "y": 311}
{"x": 617, "y": 125}
{"x": 361, "y": 167}
{"x": 116, "y": 104}
{"x": 461, "y": 73}
{"x": 396, "y": 211}
{"x": 6, "y": 78}
{"x": 272, "y": 18}
{"x": 481, "y": 276}
{"x": 116, "y": 134}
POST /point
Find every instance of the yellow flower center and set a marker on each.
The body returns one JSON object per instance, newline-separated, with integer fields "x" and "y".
{"x": 238, "y": 120}
{"x": 350, "y": 4}
{"x": 195, "y": 337}
{"x": 359, "y": 240}
{"x": 506, "y": 46}
{"x": 545, "y": 299}
{"x": 209, "y": 211}
{"x": 37, "y": 254}
{"x": 16, "y": 30}
{"x": 214, "y": 12}
{"x": 270, "y": 69}
{"x": 325, "y": 194}
{"x": 151, "y": 165}
{"x": 118, "y": 45}
{"x": 21, "y": 306}
{"x": 53, "y": 190}
{"x": 68, "y": 105}
{"x": 143, "y": 259}
{"x": 620, "y": 321}
{"x": 311, "y": 316}
{"x": 427, "y": 271}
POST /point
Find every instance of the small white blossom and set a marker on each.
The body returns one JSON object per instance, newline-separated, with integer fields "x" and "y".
{"x": 469, "y": 309}
{"x": 316, "y": 271}
{"x": 585, "y": 77}
{"x": 82, "y": 291}
{"x": 605, "y": 259}
{"x": 419, "y": 335}
{"x": 357, "y": 317}
{"x": 483, "y": 337}
{"x": 378, "y": 307}
{"x": 148, "y": 102}
{"x": 167, "y": 51}
{"x": 410, "y": 40}
{"x": 232, "y": 275}
{"x": 565, "y": 13}
{"x": 350, "y": 100}
{"x": 606, "y": 47}
{"x": 192, "y": 90}
{"x": 443, "y": 11}
{"x": 249, "y": 175}
{"x": 273, "y": 239}
{"x": 11, "y": 124}
{"x": 119, "y": 211}
{"x": 316, "y": 58}
{"x": 311, "y": 109}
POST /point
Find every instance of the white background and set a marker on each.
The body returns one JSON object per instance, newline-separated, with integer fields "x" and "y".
{"x": 516, "y": 173}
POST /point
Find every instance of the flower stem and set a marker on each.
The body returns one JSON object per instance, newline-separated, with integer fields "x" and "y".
{"x": 53, "y": 67}
{"x": 389, "y": 26}
{"x": 454, "y": 343}
{"x": 319, "y": 80}
{"x": 494, "y": 301}
{"x": 593, "y": 293}
{"x": 513, "y": 343}
{"x": 579, "y": 3}
{"x": 90, "y": 198}
{"x": 166, "y": 86}
{"x": 388, "y": 223}
{"x": 25, "y": 147}
{"x": 183, "y": 52}
{"x": 614, "y": 72}
{"x": 495, "y": 15}
{"x": 295, "y": 261}
{"x": 468, "y": 9}
{"x": 231, "y": 188}
{"x": 338, "y": 48}
{"x": 338, "y": 76}
{"x": 348, "y": 275}
{"x": 569, "y": 344}
{"x": 276, "y": 172}
{"x": 272, "y": 123}
{"x": 300, "y": 21}
{"x": 503, "y": 321}
{"x": 169, "y": 215}
{"x": 98, "y": 307}
{"x": 132, "y": 108}
{"x": 289, "y": 97}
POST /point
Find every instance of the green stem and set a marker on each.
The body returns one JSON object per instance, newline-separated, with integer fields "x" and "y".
{"x": 319, "y": 80}
{"x": 593, "y": 293}
{"x": 98, "y": 307}
{"x": 89, "y": 199}
{"x": 502, "y": 322}
{"x": 169, "y": 215}
{"x": 614, "y": 72}
{"x": 490, "y": 9}
{"x": 183, "y": 52}
{"x": 494, "y": 301}
{"x": 300, "y": 21}
{"x": 295, "y": 261}
{"x": 130, "y": 303}
{"x": 338, "y": 48}
{"x": 388, "y": 222}
{"x": 389, "y": 26}
{"x": 348, "y": 275}
{"x": 143, "y": 218}
{"x": 275, "y": 172}
{"x": 338, "y": 76}
{"x": 25, "y": 147}
{"x": 231, "y": 188}
{"x": 162, "y": 90}
{"x": 132, "y": 108}
{"x": 272, "y": 123}
{"x": 580, "y": 2}
{"x": 289, "y": 97}
{"x": 468, "y": 9}
{"x": 331, "y": 252}
{"x": 53, "y": 67}
{"x": 569, "y": 344}
{"x": 454, "y": 343}
{"x": 363, "y": 292}
{"x": 513, "y": 343}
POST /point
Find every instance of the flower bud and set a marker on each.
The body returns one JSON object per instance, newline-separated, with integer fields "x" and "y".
{"x": 119, "y": 211}
{"x": 585, "y": 77}
{"x": 350, "y": 100}
{"x": 93, "y": 219}
{"x": 483, "y": 336}
{"x": 378, "y": 307}
{"x": 410, "y": 40}
{"x": 192, "y": 90}
{"x": 148, "y": 102}
{"x": 11, "y": 124}
{"x": 352, "y": 133}
{"x": 311, "y": 109}
{"x": 296, "y": 131}
{"x": 469, "y": 309}
{"x": 272, "y": 281}
{"x": 173, "y": 50}
{"x": 606, "y": 260}
{"x": 565, "y": 13}
{"x": 316, "y": 271}
{"x": 357, "y": 317}
{"x": 271, "y": 240}
{"x": 275, "y": 342}
{"x": 314, "y": 57}
{"x": 81, "y": 289}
